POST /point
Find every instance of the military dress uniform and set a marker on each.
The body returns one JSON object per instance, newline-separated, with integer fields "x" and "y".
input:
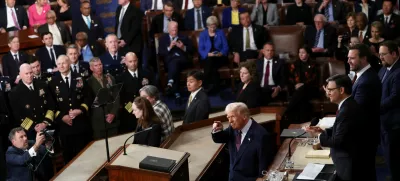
{"x": 68, "y": 97}
{"x": 31, "y": 107}
{"x": 83, "y": 69}
{"x": 44, "y": 77}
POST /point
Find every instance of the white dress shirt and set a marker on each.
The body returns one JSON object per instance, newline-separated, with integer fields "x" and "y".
{"x": 341, "y": 102}
{"x": 13, "y": 55}
{"x": 69, "y": 78}
{"x": 29, "y": 85}
{"x": 252, "y": 43}
{"x": 359, "y": 73}
{"x": 245, "y": 129}
{"x": 54, "y": 53}
{"x": 57, "y": 39}
{"x": 270, "y": 79}
{"x": 159, "y": 4}
{"x": 190, "y": 4}
{"x": 10, "y": 21}
{"x": 85, "y": 19}
{"x": 193, "y": 94}
{"x": 75, "y": 66}
{"x": 123, "y": 11}
{"x": 388, "y": 18}
{"x": 32, "y": 152}
{"x": 133, "y": 72}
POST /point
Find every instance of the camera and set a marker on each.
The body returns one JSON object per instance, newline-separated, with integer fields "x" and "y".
{"x": 48, "y": 134}
{"x": 346, "y": 37}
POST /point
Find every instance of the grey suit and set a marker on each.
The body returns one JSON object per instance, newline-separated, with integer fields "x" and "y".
{"x": 97, "y": 114}
{"x": 272, "y": 15}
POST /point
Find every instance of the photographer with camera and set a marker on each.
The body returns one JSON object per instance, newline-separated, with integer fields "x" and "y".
{"x": 24, "y": 158}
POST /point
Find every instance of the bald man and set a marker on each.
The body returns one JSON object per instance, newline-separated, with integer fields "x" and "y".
{"x": 31, "y": 103}
{"x": 133, "y": 79}
{"x": 72, "y": 102}
{"x": 175, "y": 49}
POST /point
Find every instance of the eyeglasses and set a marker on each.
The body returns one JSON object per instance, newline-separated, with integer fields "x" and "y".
{"x": 331, "y": 89}
{"x": 383, "y": 54}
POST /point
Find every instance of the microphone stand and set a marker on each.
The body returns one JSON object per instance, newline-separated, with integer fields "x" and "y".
{"x": 103, "y": 106}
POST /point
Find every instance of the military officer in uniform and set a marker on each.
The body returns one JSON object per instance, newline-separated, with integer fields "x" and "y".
{"x": 77, "y": 66}
{"x": 133, "y": 79}
{"x": 37, "y": 70}
{"x": 97, "y": 81}
{"x": 72, "y": 101}
{"x": 31, "y": 103}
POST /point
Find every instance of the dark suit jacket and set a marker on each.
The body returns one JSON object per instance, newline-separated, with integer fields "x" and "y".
{"x": 371, "y": 10}
{"x": 344, "y": 140}
{"x": 339, "y": 11}
{"x": 148, "y": 4}
{"x": 330, "y": 38}
{"x": 199, "y": 108}
{"x": 44, "y": 56}
{"x": 250, "y": 95}
{"x": 254, "y": 155}
{"x": 390, "y": 107}
{"x": 157, "y": 24}
{"x": 367, "y": 92}
{"x": 278, "y": 72}
{"x": 392, "y": 30}
{"x": 10, "y": 67}
{"x": 21, "y": 14}
{"x": 235, "y": 40}
{"x": 64, "y": 31}
{"x": 165, "y": 41}
{"x": 84, "y": 70}
{"x": 131, "y": 28}
{"x": 95, "y": 32}
{"x": 149, "y": 138}
{"x": 190, "y": 20}
{"x": 131, "y": 87}
{"x": 17, "y": 161}
{"x": 107, "y": 59}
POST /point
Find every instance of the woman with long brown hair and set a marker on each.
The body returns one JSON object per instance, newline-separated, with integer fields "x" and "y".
{"x": 147, "y": 119}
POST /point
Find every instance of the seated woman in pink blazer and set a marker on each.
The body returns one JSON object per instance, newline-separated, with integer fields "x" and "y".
{"x": 37, "y": 12}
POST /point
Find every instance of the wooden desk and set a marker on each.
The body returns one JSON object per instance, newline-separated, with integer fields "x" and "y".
{"x": 196, "y": 139}
{"x": 91, "y": 160}
{"x": 24, "y": 41}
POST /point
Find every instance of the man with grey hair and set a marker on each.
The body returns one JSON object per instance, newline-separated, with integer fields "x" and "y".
{"x": 77, "y": 67}
{"x": 151, "y": 93}
{"x": 321, "y": 37}
{"x": 246, "y": 140}
{"x": 61, "y": 35}
{"x": 31, "y": 103}
{"x": 112, "y": 58}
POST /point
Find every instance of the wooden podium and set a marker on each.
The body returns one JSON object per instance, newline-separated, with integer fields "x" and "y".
{"x": 126, "y": 167}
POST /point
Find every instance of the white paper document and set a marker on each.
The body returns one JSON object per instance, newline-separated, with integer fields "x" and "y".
{"x": 33, "y": 36}
{"x": 327, "y": 122}
{"x": 311, "y": 171}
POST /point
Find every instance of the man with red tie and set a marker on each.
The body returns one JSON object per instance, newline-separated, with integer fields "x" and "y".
{"x": 271, "y": 71}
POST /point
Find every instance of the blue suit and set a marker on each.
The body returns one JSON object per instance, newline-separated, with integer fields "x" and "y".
{"x": 190, "y": 20}
{"x": 254, "y": 155}
{"x": 227, "y": 17}
{"x": 390, "y": 118}
{"x": 220, "y": 43}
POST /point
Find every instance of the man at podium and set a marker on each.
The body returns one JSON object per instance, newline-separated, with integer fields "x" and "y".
{"x": 249, "y": 146}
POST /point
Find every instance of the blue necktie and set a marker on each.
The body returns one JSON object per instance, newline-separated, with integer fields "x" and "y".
{"x": 88, "y": 22}
{"x": 327, "y": 11}
{"x": 384, "y": 75}
{"x": 317, "y": 38}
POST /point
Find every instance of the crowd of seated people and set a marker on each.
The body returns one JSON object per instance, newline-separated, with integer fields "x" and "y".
{"x": 237, "y": 37}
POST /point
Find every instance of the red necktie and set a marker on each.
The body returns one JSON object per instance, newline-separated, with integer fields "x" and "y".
{"x": 354, "y": 79}
{"x": 266, "y": 76}
{"x": 186, "y": 4}
{"x": 238, "y": 140}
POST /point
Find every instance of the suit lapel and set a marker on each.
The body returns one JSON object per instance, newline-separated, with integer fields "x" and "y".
{"x": 245, "y": 144}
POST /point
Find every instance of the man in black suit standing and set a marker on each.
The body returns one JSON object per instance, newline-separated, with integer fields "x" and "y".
{"x": 78, "y": 67}
{"x": 128, "y": 27}
{"x": 87, "y": 50}
{"x": 322, "y": 37}
{"x": 334, "y": 11}
{"x": 49, "y": 53}
{"x": 247, "y": 40}
{"x": 159, "y": 24}
{"x": 61, "y": 33}
{"x": 88, "y": 23}
{"x": 198, "y": 105}
{"x": 272, "y": 77}
{"x": 390, "y": 106}
{"x": 13, "y": 59}
{"x": 390, "y": 21}
{"x": 367, "y": 90}
{"x": 345, "y": 135}
{"x": 13, "y": 17}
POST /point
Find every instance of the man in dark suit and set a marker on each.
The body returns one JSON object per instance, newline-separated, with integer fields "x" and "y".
{"x": 322, "y": 37}
{"x": 367, "y": 90}
{"x": 272, "y": 76}
{"x": 195, "y": 18}
{"x": 334, "y": 10}
{"x": 175, "y": 49}
{"x": 88, "y": 23}
{"x": 24, "y": 156}
{"x": 112, "y": 58}
{"x": 249, "y": 47}
{"x": 17, "y": 15}
{"x": 31, "y": 103}
{"x": 38, "y": 75}
{"x": 61, "y": 33}
{"x": 345, "y": 135}
{"x": 250, "y": 148}
{"x": 87, "y": 50}
{"x": 364, "y": 31}
{"x": 390, "y": 106}
{"x": 49, "y": 53}
{"x": 77, "y": 66}
{"x": 151, "y": 5}
{"x": 73, "y": 100}
{"x": 159, "y": 24}
{"x": 390, "y": 21}
{"x": 133, "y": 79}
{"x": 13, "y": 59}
{"x": 128, "y": 27}
{"x": 198, "y": 105}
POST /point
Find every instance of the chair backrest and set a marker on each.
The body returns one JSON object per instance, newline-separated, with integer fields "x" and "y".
{"x": 287, "y": 39}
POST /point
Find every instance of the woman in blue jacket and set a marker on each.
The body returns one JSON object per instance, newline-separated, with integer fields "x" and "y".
{"x": 213, "y": 50}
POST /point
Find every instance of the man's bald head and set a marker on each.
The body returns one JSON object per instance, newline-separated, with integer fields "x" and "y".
{"x": 26, "y": 73}
{"x": 131, "y": 61}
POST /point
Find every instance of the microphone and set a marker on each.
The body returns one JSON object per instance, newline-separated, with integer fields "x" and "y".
{"x": 145, "y": 130}
{"x": 314, "y": 121}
